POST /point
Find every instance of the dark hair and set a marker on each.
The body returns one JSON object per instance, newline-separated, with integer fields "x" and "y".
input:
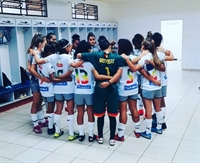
{"x": 33, "y": 40}
{"x": 137, "y": 41}
{"x": 149, "y": 45}
{"x": 49, "y": 36}
{"x": 90, "y": 34}
{"x": 125, "y": 46}
{"x": 82, "y": 47}
{"x": 104, "y": 44}
{"x": 49, "y": 48}
{"x": 61, "y": 44}
{"x": 149, "y": 35}
{"x": 157, "y": 37}
{"x": 39, "y": 39}
{"x": 101, "y": 38}
{"x": 75, "y": 37}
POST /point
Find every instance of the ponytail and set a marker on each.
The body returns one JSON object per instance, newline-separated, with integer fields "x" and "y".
{"x": 155, "y": 56}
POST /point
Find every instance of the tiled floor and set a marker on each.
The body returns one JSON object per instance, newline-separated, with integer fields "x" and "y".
{"x": 178, "y": 144}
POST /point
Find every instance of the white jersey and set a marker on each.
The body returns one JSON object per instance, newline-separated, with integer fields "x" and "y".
{"x": 128, "y": 83}
{"x": 84, "y": 78}
{"x": 61, "y": 64}
{"x": 45, "y": 70}
{"x": 163, "y": 75}
{"x": 146, "y": 84}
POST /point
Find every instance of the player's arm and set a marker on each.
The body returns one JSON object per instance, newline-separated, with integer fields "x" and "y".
{"x": 76, "y": 64}
{"x": 66, "y": 75}
{"x": 34, "y": 72}
{"x": 135, "y": 60}
{"x": 114, "y": 79}
{"x": 37, "y": 59}
{"x": 97, "y": 76}
{"x": 169, "y": 56}
{"x": 149, "y": 77}
{"x": 159, "y": 68}
{"x": 53, "y": 79}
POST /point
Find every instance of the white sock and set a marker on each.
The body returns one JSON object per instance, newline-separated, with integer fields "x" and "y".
{"x": 80, "y": 129}
{"x": 159, "y": 116}
{"x": 137, "y": 127}
{"x": 148, "y": 125}
{"x": 51, "y": 120}
{"x": 57, "y": 122}
{"x": 91, "y": 128}
{"x": 164, "y": 114}
{"x": 70, "y": 120}
{"x": 40, "y": 115}
{"x": 121, "y": 129}
{"x": 34, "y": 119}
{"x": 140, "y": 103}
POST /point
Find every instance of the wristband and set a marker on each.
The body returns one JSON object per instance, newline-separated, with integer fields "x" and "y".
{"x": 109, "y": 82}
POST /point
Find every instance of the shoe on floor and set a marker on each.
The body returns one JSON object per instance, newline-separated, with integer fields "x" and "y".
{"x": 81, "y": 137}
{"x": 56, "y": 135}
{"x": 92, "y": 138}
{"x": 164, "y": 126}
{"x": 158, "y": 131}
{"x": 119, "y": 138}
{"x": 112, "y": 142}
{"x": 37, "y": 129}
{"x": 71, "y": 138}
{"x": 99, "y": 140}
{"x": 51, "y": 131}
{"x": 137, "y": 134}
{"x": 45, "y": 124}
{"x": 145, "y": 135}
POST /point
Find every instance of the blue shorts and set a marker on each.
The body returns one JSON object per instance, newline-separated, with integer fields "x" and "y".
{"x": 48, "y": 99}
{"x": 83, "y": 99}
{"x": 150, "y": 95}
{"x": 125, "y": 98}
{"x": 34, "y": 85}
{"x": 164, "y": 91}
{"x": 64, "y": 97}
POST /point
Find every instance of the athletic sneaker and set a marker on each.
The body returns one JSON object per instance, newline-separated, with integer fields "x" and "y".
{"x": 37, "y": 129}
{"x": 51, "y": 131}
{"x": 71, "y": 138}
{"x": 119, "y": 138}
{"x": 56, "y": 135}
{"x": 112, "y": 142}
{"x": 81, "y": 137}
{"x": 99, "y": 140}
{"x": 45, "y": 124}
{"x": 158, "y": 131}
{"x": 145, "y": 135}
{"x": 164, "y": 126}
{"x": 137, "y": 134}
{"x": 92, "y": 138}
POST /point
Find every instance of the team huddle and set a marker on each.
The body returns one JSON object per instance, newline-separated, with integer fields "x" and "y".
{"x": 100, "y": 79}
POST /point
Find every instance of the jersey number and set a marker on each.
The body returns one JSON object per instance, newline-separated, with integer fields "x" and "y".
{"x": 59, "y": 72}
{"x": 129, "y": 76}
{"x": 107, "y": 71}
{"x": 84, "y": 76}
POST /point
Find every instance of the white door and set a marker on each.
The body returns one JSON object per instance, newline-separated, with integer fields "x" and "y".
{"x": 172, "y": 31}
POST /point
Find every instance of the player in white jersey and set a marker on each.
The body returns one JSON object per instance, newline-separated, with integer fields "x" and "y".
{"x": 63, "y": 91}
{"x": 150, "y": 91}
{"x": 137, "y": 42}
{"x": 128, "y": 91}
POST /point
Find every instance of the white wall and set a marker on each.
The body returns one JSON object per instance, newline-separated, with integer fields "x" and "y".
{"x": 143, "y": 16}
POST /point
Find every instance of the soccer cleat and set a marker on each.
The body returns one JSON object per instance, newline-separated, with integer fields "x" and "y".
{"x": 112, "y": 142}
{"x": 71, "y": 138}
{"x": 45, "y": 124}
{"x": 37, "y": 129}
{"x": 99, "y": 140}
{"x": 56, "y": 135}
{"x": 81, "y": 137}
{"x": 137, "y": 134}
{"x": 158, "y": 131}
{"x": 92, "y": 138}
{"x": 119, "y": 138}
{"x": 141, "y": 112}
{"x": 51, "y": 131}
{"x": 164, "y": 126}
{"x": 145, "y": 135}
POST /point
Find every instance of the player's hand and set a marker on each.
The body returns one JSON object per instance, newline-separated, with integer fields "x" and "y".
{"x": 47, "y": 80}
{"x": 144, "y": 52}
{"x": 157, "y": 82}
{"x": 124, "y": 56}
{"x": 160, "y": 49}
{"x": 104, "y": 84}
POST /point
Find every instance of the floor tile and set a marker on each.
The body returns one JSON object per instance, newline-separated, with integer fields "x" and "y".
{"x": 150, "y": 160}
{"x": 35, "y": 155}
{"x": 27, "y": 128}
{"x": 3, "y": 144}
{"x": 95, "y": 154}
{"x": 78, "y": 160}
{"x": 2, "y": 132}
{"x": 3, "y": 159}
{"x": 57, "y": 158}
{"x": 12, "y": 150}
{"x": 11, "y": 125}
{"x": 190, "y": 135}
{"x": 186, "y": 157}
{"x": 12, "y": 136}
{"x": 190, "y": 146}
